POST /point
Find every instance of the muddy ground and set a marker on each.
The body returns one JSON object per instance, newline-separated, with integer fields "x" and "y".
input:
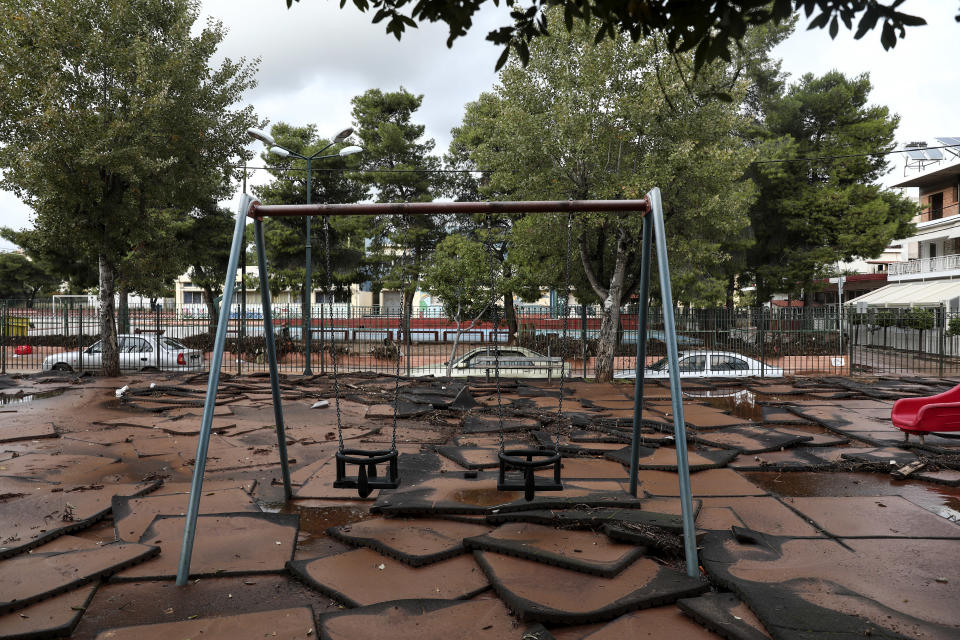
{"x": 802, "y": 529}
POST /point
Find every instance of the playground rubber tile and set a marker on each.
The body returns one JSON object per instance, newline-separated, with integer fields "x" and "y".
{"x": 445, "y": 494}
{"x": 282, "y": 624}
{"x": 579, "y": 493}
{"x": 665, "y": 458}
{"x": 725, "y": 615}
{"x": 580, "y": 517}
{"x": 765, "y": 514}
{"x": 818, "y": 438}
{"x": 949, "y": 477}
{"x": 580, "y": 435}
{"x": 712, "y": 482}
{"x": 471, "y": 457}
{"x": 799, "y": 459}
{"x": 424, "y": 620}
{"x": 30, "y": 578}
{"x": 56, "y": 467}
{"x": 891, "y": 456}
{"x": 588, "y": 469}
{"x": 132, "y": 516}
{"x": 781, "y": 415}
{"x": 34, "y": 431}
{"x": 803, "y": 589}
{"x": 54, "y": 617}
{"x": 751, "y": 439}
{"x": 568, "y": 448}
{"x": 416, "y": 542}
{"x": 363, "y": 577}
{"x": 699, "y": 416}
{"x": 110, "y": 436}
{"x": 491, "y": 424}
{"x": 583, "y": 551}
{"x": 35, "y": 518}
{"x": 403, "y": 410}
{"x": 873, "y": 517}
{"x": 225, "y": 544}
{"x": 661, "y": 623}
{"x": 541, "y": 593}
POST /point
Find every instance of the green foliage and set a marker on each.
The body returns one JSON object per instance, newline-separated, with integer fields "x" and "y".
{"x": 112, "y": 122}
{"x": 708, "y": 28}
{"x": 953, "y": 326}
{"x": 285, "y": 237}
{"x": 917, "y": 318}
{"x": 459, "y": 274}
{"x": 813, "y": 213}
{"x": 23, "y": 279}
{"x": 397, "y": 160}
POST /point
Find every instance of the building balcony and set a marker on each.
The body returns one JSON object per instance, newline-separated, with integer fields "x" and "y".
{"x": 926, "y": 268}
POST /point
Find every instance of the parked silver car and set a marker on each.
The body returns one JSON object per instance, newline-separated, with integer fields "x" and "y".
{"x": 515, "y": 362}
{"x": 136, "y": 352}
{"x": 708, "y": 364}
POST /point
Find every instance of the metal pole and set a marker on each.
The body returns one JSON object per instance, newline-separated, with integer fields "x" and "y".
{"x": 308, "y": 286}
{"x": 640, "y": 368}
{"x": 583, "y": 336}
{"x": 272, "y": 359}
{"x": 242, "y": 331}
{"x": 3, "y": 342}
{"x": 200, "y": 463}
{"x": 676, "y": 393}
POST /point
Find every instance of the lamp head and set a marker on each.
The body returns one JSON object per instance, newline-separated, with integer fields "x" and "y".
{"x": 261, "y": 135}
{"x": 279, "y": 151}
{"x": 349, "y": 151}
{"x": 343, "y": 135}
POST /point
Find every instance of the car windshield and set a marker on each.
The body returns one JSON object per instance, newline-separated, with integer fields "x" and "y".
{"x": 171, "y": 344}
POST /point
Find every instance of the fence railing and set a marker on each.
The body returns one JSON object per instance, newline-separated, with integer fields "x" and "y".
{"x": 719, "y": 342}
{"x": 925, "y": 265}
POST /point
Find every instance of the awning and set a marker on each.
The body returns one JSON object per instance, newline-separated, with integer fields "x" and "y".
{"x": 912, "y": 294}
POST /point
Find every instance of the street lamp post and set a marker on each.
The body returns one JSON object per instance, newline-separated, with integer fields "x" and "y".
{"x": 283, "y": 152}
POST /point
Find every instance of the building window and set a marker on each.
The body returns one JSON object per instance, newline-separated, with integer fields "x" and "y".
{"x": 192, "y": 297}
{"x": 936, "y": 206}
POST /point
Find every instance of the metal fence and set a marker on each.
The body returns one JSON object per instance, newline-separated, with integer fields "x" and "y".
{"x": 788, "y": 341}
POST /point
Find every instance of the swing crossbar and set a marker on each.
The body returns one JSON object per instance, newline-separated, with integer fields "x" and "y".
{"x": 259, "y": 211}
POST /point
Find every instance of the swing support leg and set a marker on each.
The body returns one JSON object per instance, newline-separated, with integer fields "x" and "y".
{"x": 272, "y": 357}
{"x": 676, "y": 393}
{"x": 641, "y": 351}
{"x": 213, "y": 380}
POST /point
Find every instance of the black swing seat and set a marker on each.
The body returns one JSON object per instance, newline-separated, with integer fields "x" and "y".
{"x": 521, "y": 465}
{"x": 367, "y": 478}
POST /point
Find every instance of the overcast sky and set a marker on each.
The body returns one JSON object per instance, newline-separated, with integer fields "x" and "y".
{"x": 315, "y": 57}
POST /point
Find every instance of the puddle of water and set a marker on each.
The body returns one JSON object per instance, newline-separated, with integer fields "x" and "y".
{"x": 939, "y": 499}
{"x": 316, "y": 520}
{"x": 742, "y": 404}
{"x": 8, "y": 398}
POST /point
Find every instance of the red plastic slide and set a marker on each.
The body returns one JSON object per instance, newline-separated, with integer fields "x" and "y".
{"x": 925, "y": 415}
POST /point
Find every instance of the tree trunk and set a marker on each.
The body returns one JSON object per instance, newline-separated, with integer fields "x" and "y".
{"x": 375, "y": 289}
{"x": 108, "y": 321}
{"x": 510, "y": 313}
{"x": 123, "y": 312}
{"x": 611, "y": 296}
{"x": 213, "y": 315}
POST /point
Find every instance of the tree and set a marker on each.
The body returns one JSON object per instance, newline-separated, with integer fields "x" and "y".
{"x": 459, "y": 274}
{"x": 206, "y": 241}
{"x": 23, "y": 279}
{"x": 816, "y": 209}
{"x": 708, "y": 27}
{"x": 587, "y": 120}
{"x": 285, "y": 237}
{"x": 68, "y": 266}
{"x": 399, "y": 168}
{"x": 113, "y": 117}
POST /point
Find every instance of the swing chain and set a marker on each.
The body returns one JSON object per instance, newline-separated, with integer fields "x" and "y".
{"x": 563, "y": 339}
{"x": 333, "y": 333}
{"x": 493, "y": 333}
{"x": 403, "y": 308}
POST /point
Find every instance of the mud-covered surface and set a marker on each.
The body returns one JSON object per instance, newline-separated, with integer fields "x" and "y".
{"x": 804, "y": 527}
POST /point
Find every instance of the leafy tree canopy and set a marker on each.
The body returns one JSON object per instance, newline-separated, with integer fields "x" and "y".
{"x": 706, "y": 27}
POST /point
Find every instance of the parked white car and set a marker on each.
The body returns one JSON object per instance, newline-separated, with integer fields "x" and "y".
{"x": 515, "y": 362}
{"x": 708, "y": 364}
{"x": 136, "y": 352}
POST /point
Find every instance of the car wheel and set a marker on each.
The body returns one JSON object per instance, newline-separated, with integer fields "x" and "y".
{"x": 62, "y": 366}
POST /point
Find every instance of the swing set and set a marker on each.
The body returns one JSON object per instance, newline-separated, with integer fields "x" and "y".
{"x": 361, "y": 469}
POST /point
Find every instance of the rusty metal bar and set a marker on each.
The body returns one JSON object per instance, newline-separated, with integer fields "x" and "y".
{"x": 258, "y": 210}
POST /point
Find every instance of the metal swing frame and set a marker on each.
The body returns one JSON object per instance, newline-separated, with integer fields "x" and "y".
{"x": 653, "y": 225}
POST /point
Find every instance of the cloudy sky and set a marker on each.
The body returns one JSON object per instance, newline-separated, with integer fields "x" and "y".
{"x": 315, "y": 57}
